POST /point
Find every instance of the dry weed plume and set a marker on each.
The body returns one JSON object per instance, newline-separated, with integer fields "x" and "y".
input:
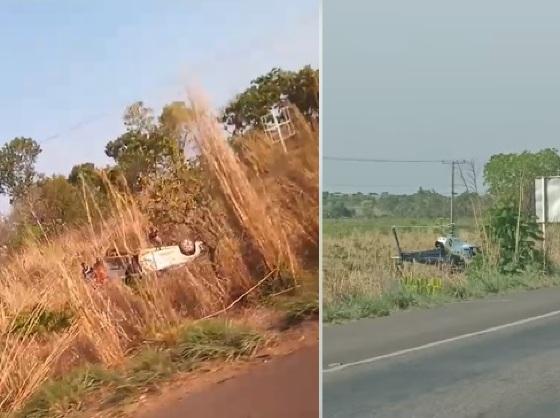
{"x": 250, "y": 207}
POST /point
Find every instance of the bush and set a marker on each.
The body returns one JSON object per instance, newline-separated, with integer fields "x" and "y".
{"x": 516, "y": 234}
{"x": 217, "y": 339}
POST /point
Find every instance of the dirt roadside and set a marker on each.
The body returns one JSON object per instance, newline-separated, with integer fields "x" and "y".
{"x": 283, "y": 381}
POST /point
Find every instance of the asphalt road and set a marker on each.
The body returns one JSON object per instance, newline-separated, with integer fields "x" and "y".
{"x": 438, "y": 363}
{"x": 286, "y": 386}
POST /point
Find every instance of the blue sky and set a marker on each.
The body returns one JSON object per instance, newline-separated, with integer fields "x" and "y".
{"x": 69, "y": 68}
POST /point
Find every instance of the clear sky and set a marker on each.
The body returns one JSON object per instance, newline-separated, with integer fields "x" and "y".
{"x": 70, "y": 67}
{"x": 435, "y": 79}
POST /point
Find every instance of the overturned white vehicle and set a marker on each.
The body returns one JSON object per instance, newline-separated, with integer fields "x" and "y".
{"x": 154, "y": 259}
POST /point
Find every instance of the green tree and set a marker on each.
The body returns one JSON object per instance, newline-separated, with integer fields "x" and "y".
{"x": 88, "y": 172}
{"x": 516, "y": 234}
{"x": 50, "y": 205}
{"x": 17, "y": 167}
{"x": 300, "y": 88}
{"x": 303, "y": 91}
{"x": 506, "y": 175}
{"x": 146, "y": 149}
{"x": 96, "y": 187}
{"x": 57, "y": 201}
{"x": 173, "y": 122}
{"x": 150, "y": 158}
{"x": 139, "y": 118}
{"x": 337, "y": 209}
{"x": 367, "y": 208}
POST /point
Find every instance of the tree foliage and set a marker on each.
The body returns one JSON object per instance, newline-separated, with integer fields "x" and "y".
{"x": 57, "y": 201}
{"x": 51, "y": 205}
{"x": 337, "y": 209}
{"x": 301, "y": 88}
{"x": 139, "y": 118}
{"x": 508, "y": 175}
{"x": 146, "y": 148}
{"x": 17, "y": 166}
{"x": 422, "y": 204}
{"x": 89, "y": 174}
{"x": 173, "y": 122}
{"x": 511, "y": 222}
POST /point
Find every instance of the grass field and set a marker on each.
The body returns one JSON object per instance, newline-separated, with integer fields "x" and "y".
{"x": 349, "y": 226}
{"x": 360, "y": 279}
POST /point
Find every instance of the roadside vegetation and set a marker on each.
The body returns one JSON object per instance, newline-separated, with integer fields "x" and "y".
{"x": 362, "y": 280}
{"x": 64, "y": 342}
{"x": 184, "y": 349}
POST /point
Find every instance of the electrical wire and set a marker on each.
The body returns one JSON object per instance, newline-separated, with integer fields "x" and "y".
{"x": 379, "y": 160}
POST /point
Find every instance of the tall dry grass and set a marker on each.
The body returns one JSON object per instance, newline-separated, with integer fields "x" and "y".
{"x": 258, "y": 222}
{"x": 358, "y": 270}
{"x": 361, "y": 264}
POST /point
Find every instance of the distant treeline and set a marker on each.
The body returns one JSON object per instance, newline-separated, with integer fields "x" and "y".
{"x": 422, "y": 204}
{"x": 509, "y": 180}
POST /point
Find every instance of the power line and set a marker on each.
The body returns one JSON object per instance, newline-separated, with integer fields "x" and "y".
{"x": 74, "y": 127}
{"x": 381, "y": 160}
{"x": 410, "y": 186}
{"x": 388, "y": 160}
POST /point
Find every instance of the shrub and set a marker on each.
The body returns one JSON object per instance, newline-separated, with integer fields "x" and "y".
{"x": 516, "y": 234}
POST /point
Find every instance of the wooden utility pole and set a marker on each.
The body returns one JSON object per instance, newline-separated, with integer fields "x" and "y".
{"x": 451, "y": 210}
{"x": 452, "y": 195}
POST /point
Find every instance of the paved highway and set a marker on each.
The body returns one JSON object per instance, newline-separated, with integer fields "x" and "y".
{"x": 496, "y": 358}
{"x": 286, "y": 386}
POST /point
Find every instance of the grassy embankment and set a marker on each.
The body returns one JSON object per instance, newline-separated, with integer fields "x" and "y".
{"x": 360, "y": 278}
{"x": 65, "y": 342}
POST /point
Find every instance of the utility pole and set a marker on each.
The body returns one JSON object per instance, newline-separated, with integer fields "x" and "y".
{"x": 452, "y": 195}
{"x": 451, "y": 214}
{"x": 453, "y": 164}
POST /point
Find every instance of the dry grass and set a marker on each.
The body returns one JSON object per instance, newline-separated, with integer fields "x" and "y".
{"x": 257, "y": 223}
{"x": 94, "y": 390}
{"x": 361, "y": 279}
{"x": 361, "y": 264}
